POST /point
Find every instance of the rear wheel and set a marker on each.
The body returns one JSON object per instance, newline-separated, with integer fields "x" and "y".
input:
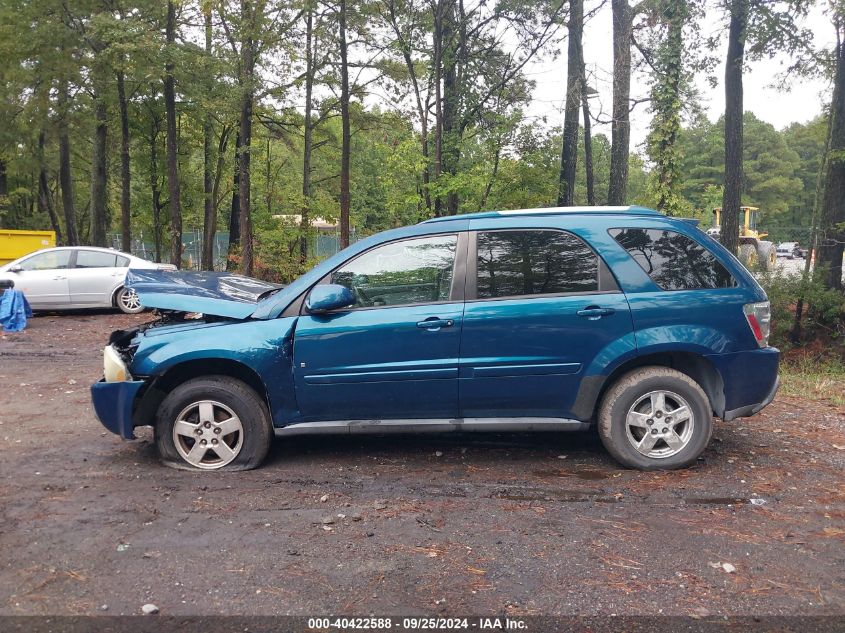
{"x": 213, "y": 423}
{"x": 128, "y": 301}
{"x": 655, "y": 418}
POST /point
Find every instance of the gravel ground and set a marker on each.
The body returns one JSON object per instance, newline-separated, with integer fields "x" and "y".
{"x": 515, "y": 524}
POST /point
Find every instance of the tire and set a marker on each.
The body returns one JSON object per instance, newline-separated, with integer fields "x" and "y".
{"x": 748, "y": 256}
{"x": 632, "y": 395}
{"x": 127, "y": 300}
{"x": 199, "y": 407}
{"x": 766, "y": 255}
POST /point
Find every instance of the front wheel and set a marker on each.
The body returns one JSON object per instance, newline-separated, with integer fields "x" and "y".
{"x": 213, "y": 423}
{"x": 767, "y": 255}
{"x": 655, "y": 418}
{"x": 748, "y": 256}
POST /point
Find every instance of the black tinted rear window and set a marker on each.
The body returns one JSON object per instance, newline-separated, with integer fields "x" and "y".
{"x": 672, "y": 260}
{"x": 534, "y": 262}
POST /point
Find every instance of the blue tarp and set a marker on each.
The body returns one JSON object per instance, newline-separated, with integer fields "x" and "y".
{"x": 14, "y": 310}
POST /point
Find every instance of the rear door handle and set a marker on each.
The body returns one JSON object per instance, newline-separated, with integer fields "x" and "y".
{"x": 593, "y": 313}
{"x": 434, "y": 323}
{"x": 58, "y": 278}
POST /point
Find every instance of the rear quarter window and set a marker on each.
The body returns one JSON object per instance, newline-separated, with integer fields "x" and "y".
{"x": 672, "y": 260}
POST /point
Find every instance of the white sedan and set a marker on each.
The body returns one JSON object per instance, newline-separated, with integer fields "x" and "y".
{"x": 73, "y": 277}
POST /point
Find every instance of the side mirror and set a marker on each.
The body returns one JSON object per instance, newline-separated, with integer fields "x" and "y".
{"x": 328, "y": 297}
{"x": 16, "y": 269}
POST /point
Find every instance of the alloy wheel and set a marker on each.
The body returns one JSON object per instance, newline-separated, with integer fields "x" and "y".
{"x": 129, "y": 300}
{"x": 208, "y": 434}
{"x": 659, "y": 424}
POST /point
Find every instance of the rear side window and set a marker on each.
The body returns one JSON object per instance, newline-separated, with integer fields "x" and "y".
{"x": 674, "y": 261}
{"x": 95, "y": 259}
{"x": 519, "y": 263}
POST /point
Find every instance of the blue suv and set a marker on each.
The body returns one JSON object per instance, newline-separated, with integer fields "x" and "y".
{"x": 540, "y": 320}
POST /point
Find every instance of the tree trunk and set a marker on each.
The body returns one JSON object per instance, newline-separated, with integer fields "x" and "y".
{"x": 422, "y": 109}
{"x": 125, "y": 182}
{"x": 588, "y": 139}
{"x": 235, "y": 208}
{"x": 305, "y": 220}
{"x": 437, "y": 59}
{"x": 832, "y": 221}
{"x": 99, "y": 171}
{"x": 247, "y": 79}
{"x": 450, "y": 142}
{"x": 65, "y": 178}
{"x": 222, "y": 144}
{"x": 666, "y": 105}
{"x": 156, "y": 192}
{"x": 732, "y": 195}
{"x": 812, "y": 252}
{"x": 173, "y": 191}
{"x": 209, "y": 225}
{"x": 268, "y": 184}
{"x": 345, "y": 132}
{"x": 569, "y": 150}
{"x": 45, "y": 202}
{"x": 620, "y": 130}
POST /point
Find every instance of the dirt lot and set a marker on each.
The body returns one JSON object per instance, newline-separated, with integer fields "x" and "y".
{"x": 509, "y": 524}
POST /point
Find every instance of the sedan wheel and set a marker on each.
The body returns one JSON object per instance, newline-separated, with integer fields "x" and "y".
{"x": 128, "y": 301}
{"x": 208, "y": 434}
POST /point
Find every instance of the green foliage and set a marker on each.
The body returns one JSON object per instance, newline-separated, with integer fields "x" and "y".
{"x": 670, "y": 78}
{"x": 772, "y": 169}
{"x": 824, "y": 319}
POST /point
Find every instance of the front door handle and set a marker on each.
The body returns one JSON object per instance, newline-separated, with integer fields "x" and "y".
{"x": 435, "y": 323}
{"x": 59, "y": 278}
{"x": 594, "y": 313}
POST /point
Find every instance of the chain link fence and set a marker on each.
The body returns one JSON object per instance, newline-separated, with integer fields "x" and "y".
{"x": 144, "y": 246}
{"x": 778, "y": 234}
{"x": 324, "y": 244}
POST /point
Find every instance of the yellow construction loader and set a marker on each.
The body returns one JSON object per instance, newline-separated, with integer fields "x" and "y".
{"x": 754, "y": 251}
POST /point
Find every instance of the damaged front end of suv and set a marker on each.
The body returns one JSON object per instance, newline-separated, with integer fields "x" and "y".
{"x": 183, "y": 304}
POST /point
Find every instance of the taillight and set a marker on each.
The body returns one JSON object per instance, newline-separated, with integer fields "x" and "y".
{"x": 759, "y": 317}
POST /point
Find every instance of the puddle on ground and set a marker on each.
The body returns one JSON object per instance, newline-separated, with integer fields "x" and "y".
{"x": 558, "y": 496}
{"x": 590, "y": 474}
{"x": 716, "y": 501}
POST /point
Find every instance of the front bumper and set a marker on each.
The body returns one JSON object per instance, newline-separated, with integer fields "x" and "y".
{"x": 114, "y": 403}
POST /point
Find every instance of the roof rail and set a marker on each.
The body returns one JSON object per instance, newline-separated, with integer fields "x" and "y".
{"x": 606, "y": 210}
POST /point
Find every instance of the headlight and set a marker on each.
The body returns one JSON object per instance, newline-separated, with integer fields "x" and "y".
{"x": 114, "y": 369}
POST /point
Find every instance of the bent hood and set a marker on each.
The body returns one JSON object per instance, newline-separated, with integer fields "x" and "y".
{"x": 220, "y": 294}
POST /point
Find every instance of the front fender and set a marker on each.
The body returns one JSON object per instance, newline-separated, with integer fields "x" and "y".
{"x": 266, "y": 347}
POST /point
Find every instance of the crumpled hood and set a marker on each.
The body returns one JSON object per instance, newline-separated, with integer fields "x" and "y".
{"x": 220, "y": 294}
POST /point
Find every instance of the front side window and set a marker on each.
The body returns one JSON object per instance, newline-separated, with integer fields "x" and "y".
{"x": 674, "y": 261}
{"x": 51, "y": 260}
{"x": 401, "y": 273}
{"x": 95, "y": 259}
{"x": 516, "y": 263}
